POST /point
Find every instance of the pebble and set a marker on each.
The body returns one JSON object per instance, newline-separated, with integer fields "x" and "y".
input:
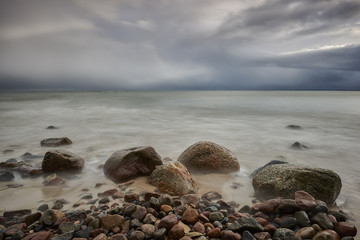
{"x": 289, "y": 222}
{"x": 160, "y": 234}
{"x": 108, "y": 222}
{"x": 137, "y": 235}
{"x": 148, "y": 229}
{"x": 216, "y": 216}
{"x": 302, "y": 218}
{"x": 345, "y": 229}
{"x": 149, "y": 219}
{"x": 322, "y": 220}
{"x": 190, "y": 216}
{"x": 305, "y": 201}
{"x": 199, "y": 227}
{"x": 283, "y": 233}
{"x": 168, "y": 222}
{"x": 166, "y": 208}
{"x": 288, "y": 206}
{"x": 305, "y": 233}
{"x": 230, "y": 235}
{"x": 131, "y": 197}
{"x": 326, "y": 234}
{"x": 139, "y": 213}
{"x": 43, "y": 207}
{"x": 65, "y": 227}
{"x": 104, "y": 200}
{"x": 262, "y": 235}
{"x": 247, "y": 236}
{"x": 176, "y": 232}
{"x": 214, "y": 233}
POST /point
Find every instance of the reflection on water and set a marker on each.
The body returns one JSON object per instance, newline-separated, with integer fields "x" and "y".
{"x": 251, "y": 124}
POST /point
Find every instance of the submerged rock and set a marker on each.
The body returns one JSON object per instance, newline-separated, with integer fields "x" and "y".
{"x": 272, "y": 162}
{"x": 298, "y": 146}
{"x": 209, "y": 157}
{"x": 295, "y": 127}
{"x": 55, "y": 142}
{"x": 61, "y": 160}
{"x": 284, "y": 180}
{"x": 130, "y": 163}
{"x": 173, "y": 178}
{"x": 6, "y": 176}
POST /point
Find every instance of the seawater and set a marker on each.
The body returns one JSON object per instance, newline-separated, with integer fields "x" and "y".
{"x": 252, "y": 124}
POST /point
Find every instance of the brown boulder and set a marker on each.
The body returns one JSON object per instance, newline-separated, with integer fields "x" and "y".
{"x": 55, "y": 142}
{"x": 173, "y": 178}
{"x": 61, "y": 160}
{"x": 283, "y": 180}
{"x": 130, "y": 163}
{"x": 209, "y": 157}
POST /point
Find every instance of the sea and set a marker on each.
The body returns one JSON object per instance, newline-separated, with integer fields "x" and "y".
{"x": 251, "y": 124}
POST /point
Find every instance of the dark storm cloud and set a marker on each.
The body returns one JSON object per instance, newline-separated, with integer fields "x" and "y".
{"x": 179, "y": 44}
{"x": 278, "y": 18}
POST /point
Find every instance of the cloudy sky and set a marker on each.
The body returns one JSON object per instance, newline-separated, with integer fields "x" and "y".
{"x": 179, "y": 44}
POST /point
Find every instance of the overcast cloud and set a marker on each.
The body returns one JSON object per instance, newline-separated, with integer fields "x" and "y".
{"x": 179, "y": 44}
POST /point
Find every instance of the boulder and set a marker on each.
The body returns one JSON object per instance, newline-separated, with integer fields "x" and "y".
{"x": 6, "y": 176}
{"x": 272, "y": 162}
{"x": 173, "y": 178}
{"x": 209, "y": 157}
{"x": 130, "y": 163}
{"x": 62, "y": 161}
{"x": 283, "y": 180}
{"x": 55, "y": 142}
{"x": 298, "y": 146}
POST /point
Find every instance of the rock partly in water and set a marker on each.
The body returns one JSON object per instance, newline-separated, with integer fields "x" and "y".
{"x": 62, "y": 161}
{"x": 6, "y": 176}
{"x": 294, "y": 127}
{"x": 284, "y": 180}
{"x": 209, "y": 157}
{"x": 298, "y": 146}
{"x": 272, "y": 162}
{"x": 55, "y": 142}
{"x": 173, "y": 178}
{"x": 130, "y": 163}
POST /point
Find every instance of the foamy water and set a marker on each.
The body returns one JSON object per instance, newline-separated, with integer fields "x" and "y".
{"x": 251, "y": 124}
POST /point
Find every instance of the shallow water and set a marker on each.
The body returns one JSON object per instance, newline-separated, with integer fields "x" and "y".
{"x": 251, "y": 124}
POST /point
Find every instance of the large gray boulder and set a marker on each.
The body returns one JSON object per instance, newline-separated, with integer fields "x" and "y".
{"x": 283, "y": 180}
{"x": 209, "y": 157}
{"x": 62, "y": 161}
{"x": 173, "y": 178}
{"x": 130, "y": 163}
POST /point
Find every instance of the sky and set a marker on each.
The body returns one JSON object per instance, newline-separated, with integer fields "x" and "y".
{"x": 180, "y": 45}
